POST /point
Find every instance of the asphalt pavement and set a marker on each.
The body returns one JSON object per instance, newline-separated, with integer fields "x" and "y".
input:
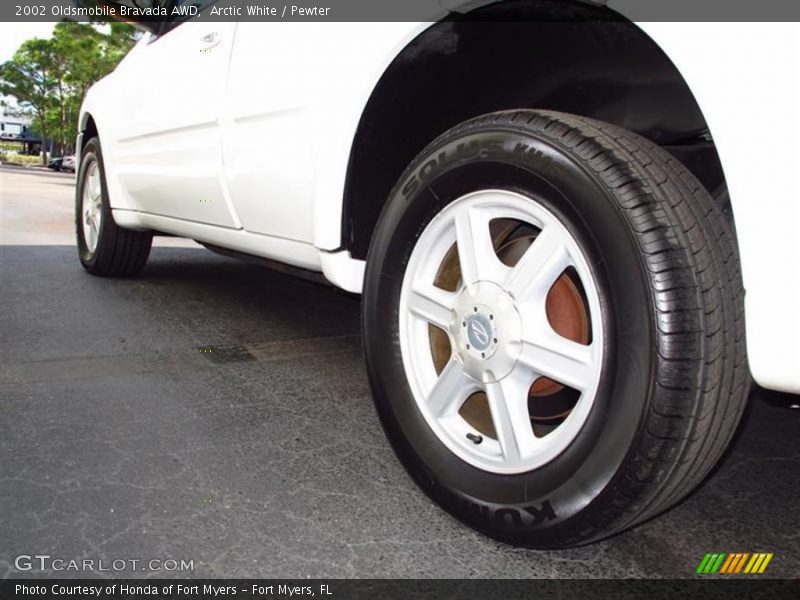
{"x": 216, "y": 412}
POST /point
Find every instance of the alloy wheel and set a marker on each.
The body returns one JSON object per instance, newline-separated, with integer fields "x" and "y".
{"x": 498, "y": 312}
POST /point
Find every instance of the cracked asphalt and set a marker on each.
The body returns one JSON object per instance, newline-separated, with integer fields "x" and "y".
{"x": 217, "y": 412}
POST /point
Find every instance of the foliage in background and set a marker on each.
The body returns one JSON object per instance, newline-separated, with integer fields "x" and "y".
{"x": 49, "y": 78}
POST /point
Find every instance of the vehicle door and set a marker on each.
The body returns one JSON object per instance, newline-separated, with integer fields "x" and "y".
{"x": 167, "y": 152}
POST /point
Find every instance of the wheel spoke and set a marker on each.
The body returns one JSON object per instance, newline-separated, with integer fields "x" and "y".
{"x": 508, "y": 403}
{"x": 95, "y": 223}
{"x": 94, "y": 185}
{"x": 476, "y": 253}
{"x": 539, "y": 267}
{"x": 433, "y": 305}
{"x": 450, "y": 390}
{"x": 92, "y": 241}
{"x": 550, "y": 355}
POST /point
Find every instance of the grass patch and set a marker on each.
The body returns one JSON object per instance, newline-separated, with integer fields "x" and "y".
{"x": 20, "y": 159}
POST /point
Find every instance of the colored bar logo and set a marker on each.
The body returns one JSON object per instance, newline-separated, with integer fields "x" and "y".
{"x": 734, "y": 563}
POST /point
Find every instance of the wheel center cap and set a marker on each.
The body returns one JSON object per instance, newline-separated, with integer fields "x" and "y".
{"x": 480, "y": 331}
{"x": 486, "y": 332}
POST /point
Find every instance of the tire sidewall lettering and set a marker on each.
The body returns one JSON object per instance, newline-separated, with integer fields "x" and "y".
{"x": 480, "y": 149}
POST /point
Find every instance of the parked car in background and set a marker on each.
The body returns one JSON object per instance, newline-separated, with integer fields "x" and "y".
{"x": 552, "y": 224}
{"x": 62, "y": 163}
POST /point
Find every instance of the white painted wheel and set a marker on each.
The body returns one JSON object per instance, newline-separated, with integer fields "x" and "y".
{"x": 501, "y": 338}
{"x": 92, "y": 207}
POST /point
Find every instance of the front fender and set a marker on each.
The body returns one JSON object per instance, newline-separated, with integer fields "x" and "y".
{"x": 100, "y": 109}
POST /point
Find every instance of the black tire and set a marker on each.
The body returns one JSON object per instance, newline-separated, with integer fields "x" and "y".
{"x": 119, "y": 252}
{"x": 675, "y": 380}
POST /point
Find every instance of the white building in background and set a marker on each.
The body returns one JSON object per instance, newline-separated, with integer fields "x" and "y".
{"x": 18, "y": 129}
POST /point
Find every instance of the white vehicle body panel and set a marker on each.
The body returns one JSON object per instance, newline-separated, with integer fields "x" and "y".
{"x": 293, "y": 126}
{"x": 258, "y": 162}
{"x": 167, "y": 138}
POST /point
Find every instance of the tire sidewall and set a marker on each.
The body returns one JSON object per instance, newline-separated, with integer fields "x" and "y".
{"x": 547, "y": 501}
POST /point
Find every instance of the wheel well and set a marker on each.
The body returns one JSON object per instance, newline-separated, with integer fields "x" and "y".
{"x": 565, "y": 56}
{"x": 90, "y": 129}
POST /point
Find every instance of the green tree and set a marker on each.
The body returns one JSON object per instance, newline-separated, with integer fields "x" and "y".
{"x": 49, "y": 78}
{"x": 29, "y": 77}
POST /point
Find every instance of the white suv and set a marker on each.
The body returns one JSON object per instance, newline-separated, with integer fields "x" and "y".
{"x": 537, "y": 205}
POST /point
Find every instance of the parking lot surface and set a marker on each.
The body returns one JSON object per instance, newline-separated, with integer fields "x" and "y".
{"x": 217, "y": 412}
